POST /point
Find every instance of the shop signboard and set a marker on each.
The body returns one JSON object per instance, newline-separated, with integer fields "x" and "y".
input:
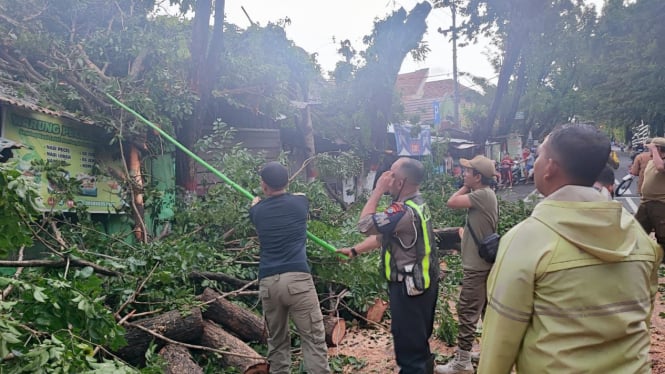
{"x": 49, "y": 138}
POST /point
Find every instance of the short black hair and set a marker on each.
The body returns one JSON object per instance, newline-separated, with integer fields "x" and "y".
{"x": 485, "y": 181}
{"x": 606, "y": 176}
{"x": 581, "y": 150}
{"x": 413, "y": 170}
{"x": 275, "y": 175}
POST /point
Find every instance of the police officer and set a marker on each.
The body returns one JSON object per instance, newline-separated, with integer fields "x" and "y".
{"x": 408, "y": 261}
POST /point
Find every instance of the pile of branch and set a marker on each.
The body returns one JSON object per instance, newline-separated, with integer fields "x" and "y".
{"x": 223, "y": 328}
{"x": 175, "y": 335}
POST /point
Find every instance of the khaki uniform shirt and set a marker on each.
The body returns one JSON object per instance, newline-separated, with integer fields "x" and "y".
{"x": 653, "y": 188}
{"x": 483, "y": 218}
{"x": 639, "y": 165}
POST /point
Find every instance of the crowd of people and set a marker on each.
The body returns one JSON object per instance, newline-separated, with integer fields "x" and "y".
{"x": 571, "y": 289}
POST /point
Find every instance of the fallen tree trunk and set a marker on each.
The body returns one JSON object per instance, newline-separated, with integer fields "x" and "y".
{"x": 173, "y": 325}
{"x": 241, "y": 322}
{"x": 220, "y": 277}
{"x": 335, "y": 330}
{"x": 448, "y": 239}
{"x": 240, "y": 355}
{"x": 179, "y": 360}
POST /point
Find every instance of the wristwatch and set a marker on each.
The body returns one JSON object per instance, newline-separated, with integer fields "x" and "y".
{"x": 354, "y": 252}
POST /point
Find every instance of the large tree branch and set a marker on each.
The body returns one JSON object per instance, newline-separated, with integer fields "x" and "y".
{"x": 63, "y": 263}
{"x": 137, "y": 64}
{"x": 82, "y": 89}
{"x": 91, "y": 65}
{"x": 18, "y": 67}
{"x": 221, "y": 277}
{"x": 187, "y": 345}
{"x": 17, "y": 274}
{"x": 9, "y": 20}
{"x": 11, "y": 82}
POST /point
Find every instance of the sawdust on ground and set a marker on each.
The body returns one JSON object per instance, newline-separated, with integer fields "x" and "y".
{"x": 373, "y": 345}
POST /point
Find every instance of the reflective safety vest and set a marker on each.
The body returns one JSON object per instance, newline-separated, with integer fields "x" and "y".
{"x": 424, "y": 258}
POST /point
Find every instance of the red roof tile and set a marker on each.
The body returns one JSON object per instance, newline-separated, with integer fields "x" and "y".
{"x": 410, "y": 84}
{"x": 438, "y": 89}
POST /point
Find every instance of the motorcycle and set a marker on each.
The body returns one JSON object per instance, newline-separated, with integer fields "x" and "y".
{"x": 624, "y": 185}
{"x": 518, "y": 175}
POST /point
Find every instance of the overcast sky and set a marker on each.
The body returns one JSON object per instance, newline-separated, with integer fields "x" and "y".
{"x": 318, "y": 26}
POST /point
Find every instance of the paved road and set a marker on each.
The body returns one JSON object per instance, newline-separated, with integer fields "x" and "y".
{"x": 630, "y": 199}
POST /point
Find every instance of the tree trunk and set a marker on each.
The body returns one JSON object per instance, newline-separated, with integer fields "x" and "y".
{"x": 178, "y": 360}
{"x": 376, "y": 311}
{"x": 506, "y": 123}
{"x": 335, "y": 330}
{"x": 243, "y": 323}
{"x": 388, "y": 49}
{"x": 308, "y": 135}
{"x": 243, "y": 357}
{"x": 173, "y": 325}
{"x": 204, "y": 71}
{"x": 137, "y": 188}
{"x": 513, "y": 48}
{"x": 448, "y": 238}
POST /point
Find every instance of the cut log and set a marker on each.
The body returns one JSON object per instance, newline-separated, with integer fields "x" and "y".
{"x": 448, "y": 239}
{"x": 335, "y": 330}
{"x": 376, "y": 311}
{"x": 220, "y": 277}
{"x": 241, "y": 356}
{"x": 239, "y": 321}
{"x": 178, "y": 360}
{"x": 173, "y": 325}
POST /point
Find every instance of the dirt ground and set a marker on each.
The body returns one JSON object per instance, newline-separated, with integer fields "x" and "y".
{"x": 374, "y": 346}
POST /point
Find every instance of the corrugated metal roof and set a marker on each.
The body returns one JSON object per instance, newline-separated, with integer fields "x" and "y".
{"x": 26, "y": 104}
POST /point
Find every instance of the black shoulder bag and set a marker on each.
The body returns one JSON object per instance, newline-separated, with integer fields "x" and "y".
{"x": 489, "y": 246}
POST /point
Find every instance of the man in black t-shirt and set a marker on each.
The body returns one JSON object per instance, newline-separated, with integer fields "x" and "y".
{"x": 285, "y": 283}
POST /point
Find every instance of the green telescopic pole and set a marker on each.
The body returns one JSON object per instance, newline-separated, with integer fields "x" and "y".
{"x": 198, "y": 159}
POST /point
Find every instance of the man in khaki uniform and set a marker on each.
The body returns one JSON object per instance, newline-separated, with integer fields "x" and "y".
{"x": 482, "y": 218}
{"x": 651, "y": 213}
{"x": 573, "y": 285}
{"x": 640, "y": 164}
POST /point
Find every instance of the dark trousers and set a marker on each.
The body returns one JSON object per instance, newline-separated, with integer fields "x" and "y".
{"x": 471, "y": 304}
{"x": 411, "y": 326}
{"x": 651, "y": 215}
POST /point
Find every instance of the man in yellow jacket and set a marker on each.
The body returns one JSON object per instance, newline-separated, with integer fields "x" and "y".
{"x": 573, "y": 286}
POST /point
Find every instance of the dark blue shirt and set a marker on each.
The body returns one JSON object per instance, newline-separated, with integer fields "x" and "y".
{"x": 281, "y": 223}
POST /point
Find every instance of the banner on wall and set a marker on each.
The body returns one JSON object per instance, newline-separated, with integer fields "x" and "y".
{"x": 411, "y": 142}
{"x": 515, "y": 145}
{"x": 50, "y": 138}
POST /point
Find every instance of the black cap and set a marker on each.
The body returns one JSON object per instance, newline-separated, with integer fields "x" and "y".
{"x": 274, "y": 175}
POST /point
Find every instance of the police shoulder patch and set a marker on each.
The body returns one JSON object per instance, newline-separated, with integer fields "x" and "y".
{"x": 395, "y": 208}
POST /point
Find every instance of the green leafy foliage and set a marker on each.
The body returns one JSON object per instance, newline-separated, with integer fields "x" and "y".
{"x": 56, "y": 325}
{"x": 446, "y": 324}
{"x": 19, "y": 201}
{"x": 340, "y": 362}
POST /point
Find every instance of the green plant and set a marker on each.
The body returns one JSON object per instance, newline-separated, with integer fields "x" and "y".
{"x": 56, "y": 325}
{"x": 19, "y": 204}
{"x": 446, "y": 324}
{"x": 340, "y": 362}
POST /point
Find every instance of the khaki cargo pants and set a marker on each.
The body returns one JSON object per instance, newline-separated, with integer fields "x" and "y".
{"x": 293, "y": 295}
